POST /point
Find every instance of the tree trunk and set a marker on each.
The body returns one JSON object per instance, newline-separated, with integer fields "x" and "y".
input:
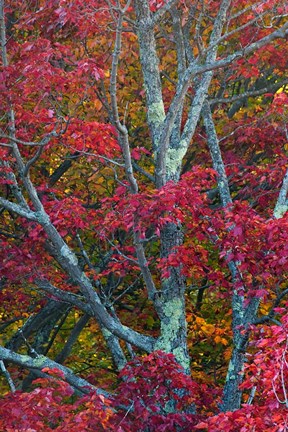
{"x": 171, "y": 307}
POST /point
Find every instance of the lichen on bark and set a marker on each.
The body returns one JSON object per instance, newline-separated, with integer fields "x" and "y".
{"x": 173, "y": 328}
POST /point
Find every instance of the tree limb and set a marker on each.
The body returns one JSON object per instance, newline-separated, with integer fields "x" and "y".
{"x": 281, "y": 206}
{"x": 28, "y": 214}
{"x": 40, "y": 362}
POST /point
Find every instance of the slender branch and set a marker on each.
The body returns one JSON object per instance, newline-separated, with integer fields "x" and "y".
{"x": 245, "y": 95}
{"x": 62, "y": 168}
{"x": 6, "y": 324}
{"x": 72, "y": 338}
{"x": 114, "y": 70}
{"x": 83, "y": 252}
{"x": 7, "y": 376}
{"x": 143, "y": 264}
{"x": 280, "y": 33}
{"x": 250, "y": 93}
{"x": 239, "y": 29}
{"x": 216, "y": 156}
{"x": 32, "y": 161}
{"x": 246, "y": 9}
{"x": 122, "y": 130}
{"x": 111, "y": 340}
{"x": 271, "y": 314}
{"x": 41, "y": 143}
{"x": 126, "y": 290}
{"x": 3, "y": 35}
{"x": 64, "y": 296}
{"x": 143, "y": 172}
{"x": 96, "y": 309}
{"x": 121, "y": 253}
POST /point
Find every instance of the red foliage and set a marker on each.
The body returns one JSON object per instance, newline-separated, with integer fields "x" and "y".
{"x": 51, "y": 81}
{"x": 154, "y": 395}
{"x": 265, "y": 384}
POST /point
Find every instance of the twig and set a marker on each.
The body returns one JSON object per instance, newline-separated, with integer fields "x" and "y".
{"x": 7, "y": 376}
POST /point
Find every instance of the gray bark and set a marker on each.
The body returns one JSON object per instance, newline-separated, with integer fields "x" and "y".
{"x": 231, "y": 394}
{"x": 243, "y": 315}
{"x": 40, "y": 362}
{"x": 170, "y": 151}
{"x": 171, "y": 302}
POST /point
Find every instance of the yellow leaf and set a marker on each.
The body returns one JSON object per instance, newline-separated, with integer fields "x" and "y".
{"x": 208, "y": 329}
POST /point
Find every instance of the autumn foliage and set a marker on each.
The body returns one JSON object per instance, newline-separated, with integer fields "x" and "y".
{"x": 144, "y": 215}
{"x": 156, "y": 395}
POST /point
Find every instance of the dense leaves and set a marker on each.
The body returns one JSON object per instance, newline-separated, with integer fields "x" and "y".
{"x": 153, "y": 388}
{"x": 143, "y": 204}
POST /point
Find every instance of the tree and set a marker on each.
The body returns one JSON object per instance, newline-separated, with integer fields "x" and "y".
{"x": 114, "y": 185}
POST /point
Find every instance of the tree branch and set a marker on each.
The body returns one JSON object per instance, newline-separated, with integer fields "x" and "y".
{"x": 98, "y": 311}
{"x": 7, "y": 376}
{"x": 72, "y": 338}
{"x": 281, "y": 206}
{"x": 40, "y": 362}
{"x": 195, "y": 69}
{"x": 271, "y": 314}
{"x": 21, "y": 211}
{"x": 161, "y": 12}
{"x": 164, "y": 156}
{"x": 45, "y": 140}
{"x": 250, "y": 93}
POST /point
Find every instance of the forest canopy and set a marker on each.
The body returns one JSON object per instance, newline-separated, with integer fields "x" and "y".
{"x": 143, "y": 215}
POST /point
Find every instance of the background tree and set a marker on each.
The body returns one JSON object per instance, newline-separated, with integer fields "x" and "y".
{"x": 119, "y": 206}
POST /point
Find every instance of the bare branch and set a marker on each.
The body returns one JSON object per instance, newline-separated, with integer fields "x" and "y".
{"x": 143, "y": 172}
{"x": 239, "y": 29}
{"x": 72, "y": 339}
{"x": 41, "y": 362}
{"x": 21, "y": 211}
{"x": 250, "y": 93}
{"x": 216, "y": 156}
{"x": 114, "y": 69}
{"x": 32, "y": 161}
{"x": 271, "y": 314}
{"x": 95, "y": 306}
{"x": 43, "y": 142}
{"x": 64, "y": 296}
{"x": 161, "y": 12}
{"x": 7, "y": 376}
{"x": 277, "y": 34}
{"x": 143, "y": 264}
